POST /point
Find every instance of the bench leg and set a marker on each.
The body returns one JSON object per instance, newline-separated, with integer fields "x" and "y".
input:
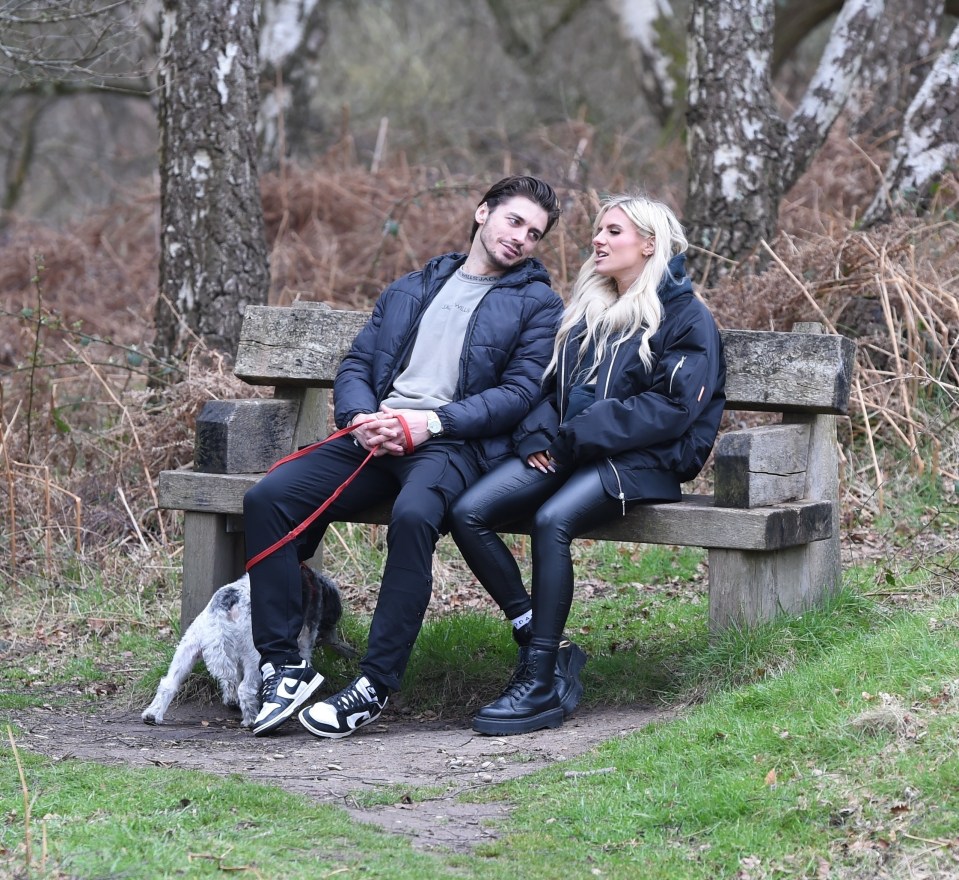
{"x": 747, "y": 587}
{"x": 212, "y": 557}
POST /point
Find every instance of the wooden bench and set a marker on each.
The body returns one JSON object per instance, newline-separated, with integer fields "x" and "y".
{"x": 771, "y": 527}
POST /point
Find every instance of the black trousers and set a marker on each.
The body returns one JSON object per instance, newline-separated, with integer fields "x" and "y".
{"x": 563, "y": 506}
{"x": 422, "y": 487}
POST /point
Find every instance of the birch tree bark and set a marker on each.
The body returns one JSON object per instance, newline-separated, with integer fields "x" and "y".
{"x": 849, "y": 43}
{"x": 902, "y": 56}
{"x": 929, "y": 143}
{"x": 213, "y": 256}
{"x": 742, "y": 155}
{"x": 732, "y": 132}
{"x": 655, "y": 33}
{"x": 291, "y": 36}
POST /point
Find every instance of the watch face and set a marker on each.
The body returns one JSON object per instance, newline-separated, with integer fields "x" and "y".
{"x": 434, "y": 425}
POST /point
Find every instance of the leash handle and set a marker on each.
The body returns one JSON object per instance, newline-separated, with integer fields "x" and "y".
{"x": 298, "y": 530}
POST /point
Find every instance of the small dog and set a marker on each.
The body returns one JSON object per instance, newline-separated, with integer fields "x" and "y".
{"x": 223, "y": 637}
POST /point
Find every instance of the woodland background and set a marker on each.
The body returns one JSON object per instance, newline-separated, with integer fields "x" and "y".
{"x": 410, "y": 111}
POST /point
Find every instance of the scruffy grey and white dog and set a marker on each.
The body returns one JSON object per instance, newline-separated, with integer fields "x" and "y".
{"x": 222, "y": 637}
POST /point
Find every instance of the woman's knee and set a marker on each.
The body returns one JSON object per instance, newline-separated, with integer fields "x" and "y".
{"x": 466, "y": 514}
{"x": 551, "y": 523}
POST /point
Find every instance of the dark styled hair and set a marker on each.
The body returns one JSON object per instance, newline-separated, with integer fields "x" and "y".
{"x": 532, "y": 188}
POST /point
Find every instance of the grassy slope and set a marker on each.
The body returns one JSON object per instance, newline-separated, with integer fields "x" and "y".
{"x": 818, "y": 746}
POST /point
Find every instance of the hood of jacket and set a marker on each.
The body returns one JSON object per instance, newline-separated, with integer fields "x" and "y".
{"x": 675, "y": 281}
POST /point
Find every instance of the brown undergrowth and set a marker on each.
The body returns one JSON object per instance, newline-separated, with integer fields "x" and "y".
{"x": 83, "y": 438}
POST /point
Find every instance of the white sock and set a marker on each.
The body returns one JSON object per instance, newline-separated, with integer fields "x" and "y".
{"x": 522, "y": 620}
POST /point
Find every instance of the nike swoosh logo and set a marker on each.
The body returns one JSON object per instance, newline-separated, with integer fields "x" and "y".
{"x": 284, "y": 692}
{"x": 356, "y": 720}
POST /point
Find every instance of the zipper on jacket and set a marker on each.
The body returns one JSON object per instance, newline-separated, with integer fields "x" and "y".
{"x": 562, "y": 384}
{"x": 672, "y": 375}
{"x": 460, "y": 390}
{"x": 612, "y": 362}
{"x": 622, "y": 495}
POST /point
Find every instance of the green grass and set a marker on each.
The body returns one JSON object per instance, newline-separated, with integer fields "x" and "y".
{"x": 111, "y": 822}
{"x": 820, "y": 745}
{"x": 839, "y": 751}
{"x": 784, "y": 772}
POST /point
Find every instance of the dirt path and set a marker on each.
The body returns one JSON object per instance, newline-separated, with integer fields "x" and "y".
{"x": 444, "y": 757}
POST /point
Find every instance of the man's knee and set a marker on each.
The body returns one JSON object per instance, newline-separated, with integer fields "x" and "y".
{"x": 420, "y": 513}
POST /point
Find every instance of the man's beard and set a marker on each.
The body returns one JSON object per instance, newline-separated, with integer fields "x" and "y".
{"x": 489, "y": 245}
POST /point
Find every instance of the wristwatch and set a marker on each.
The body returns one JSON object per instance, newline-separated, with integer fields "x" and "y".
{"x": 433, "y": 424}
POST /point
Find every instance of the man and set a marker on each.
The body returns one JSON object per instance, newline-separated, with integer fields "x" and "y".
{"x": 449, "y": 362}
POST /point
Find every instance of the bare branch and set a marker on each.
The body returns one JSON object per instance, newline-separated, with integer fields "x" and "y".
{"x": 44, "y": 16}
{"x": 86, "y": 40}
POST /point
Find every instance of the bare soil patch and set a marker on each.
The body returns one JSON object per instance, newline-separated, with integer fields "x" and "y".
{"x": 390, "y": 757}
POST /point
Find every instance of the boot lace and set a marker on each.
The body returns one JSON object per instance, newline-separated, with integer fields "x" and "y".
{"x": 521, "y": 679}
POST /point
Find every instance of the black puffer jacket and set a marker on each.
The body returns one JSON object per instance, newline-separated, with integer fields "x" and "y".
{"x": 649, "y": 430}
{"x": 508, "y": 344}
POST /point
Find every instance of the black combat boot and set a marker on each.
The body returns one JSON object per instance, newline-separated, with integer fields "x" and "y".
{"x": 570, "y": 660}
{"x": 529, "y": 702}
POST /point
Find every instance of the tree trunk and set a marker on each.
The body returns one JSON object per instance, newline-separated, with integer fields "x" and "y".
{"x": 733, "y": 131}
{"x": 929, "y": 143}
{"x": 742, "y": 157}
{"x": 292, "y": 34}
{"x": 831, "y": 85}
{"x": 213, "y": 257}
{"x": 900, "y": 59}
{"x": 652, "y": 29}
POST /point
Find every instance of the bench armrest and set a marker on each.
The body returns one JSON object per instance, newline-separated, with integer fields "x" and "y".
{"x": 243, "y": 436}
{"x": 762, "y": 466}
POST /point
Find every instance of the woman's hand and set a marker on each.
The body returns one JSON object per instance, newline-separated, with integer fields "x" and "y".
{"x": 541, "y": 461}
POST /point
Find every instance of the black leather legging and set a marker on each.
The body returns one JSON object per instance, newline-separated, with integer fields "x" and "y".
{"x": 562, "y": 506}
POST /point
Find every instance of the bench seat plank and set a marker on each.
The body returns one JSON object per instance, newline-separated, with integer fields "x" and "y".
{"x": 693, "y": 521}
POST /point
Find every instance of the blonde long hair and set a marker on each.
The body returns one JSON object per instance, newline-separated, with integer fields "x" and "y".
{"x": 595, "y": 297}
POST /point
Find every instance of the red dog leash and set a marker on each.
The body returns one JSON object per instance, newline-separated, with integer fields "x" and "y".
{"x": 298, "y": 530}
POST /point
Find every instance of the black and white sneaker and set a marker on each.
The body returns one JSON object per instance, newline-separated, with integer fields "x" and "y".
{"x": 284, "y": 690}
{"x": 352, "y": 708}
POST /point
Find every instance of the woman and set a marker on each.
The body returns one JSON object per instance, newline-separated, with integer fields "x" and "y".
{"x": 635, "y": 399}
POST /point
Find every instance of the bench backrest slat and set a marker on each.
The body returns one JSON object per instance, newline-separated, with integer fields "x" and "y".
{"x": 768, "y": 371}
{"x": 771, "y": 371}
{"x": 296, "y": 345}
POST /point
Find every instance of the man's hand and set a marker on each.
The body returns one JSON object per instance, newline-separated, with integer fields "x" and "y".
{"x": 366, "y": 432}
{"x": 383, "y": 434}
{"x": 415, "y": 422}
